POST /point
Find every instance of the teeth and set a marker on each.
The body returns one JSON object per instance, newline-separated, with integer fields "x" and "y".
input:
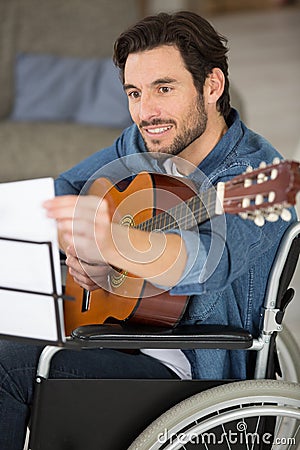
{"x": 158, "y": 130}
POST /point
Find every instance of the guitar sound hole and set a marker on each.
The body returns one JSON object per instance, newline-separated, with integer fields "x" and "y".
{"x": 117, "y": 277}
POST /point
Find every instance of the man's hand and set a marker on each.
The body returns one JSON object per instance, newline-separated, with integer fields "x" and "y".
{"x": 89, "y": 277}
{"x": 84, "y": 222}
{"x": 81, "y": 220}
{"x": 90, "y": 274}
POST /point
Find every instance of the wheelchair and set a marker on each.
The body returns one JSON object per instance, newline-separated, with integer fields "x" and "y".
{"x": 255, "y": 414}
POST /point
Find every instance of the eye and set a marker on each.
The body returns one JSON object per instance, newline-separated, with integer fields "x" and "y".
{"x": 165, "y": 89}
{"x": 133, "y": 95}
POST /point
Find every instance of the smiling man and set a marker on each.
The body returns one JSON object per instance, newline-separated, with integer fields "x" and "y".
{"x": 163, "y": 101}
{"x": 175, "y": 74}
{"x": 168, "y": 109}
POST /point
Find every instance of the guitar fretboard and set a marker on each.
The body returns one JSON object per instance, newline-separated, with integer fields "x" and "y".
{"x": 185, "y": 215}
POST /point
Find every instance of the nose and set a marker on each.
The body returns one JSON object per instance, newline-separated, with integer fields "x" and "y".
{"x": 149, "y": 107}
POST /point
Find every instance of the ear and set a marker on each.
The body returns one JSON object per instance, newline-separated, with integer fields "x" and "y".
{"x": 214, "y": 85}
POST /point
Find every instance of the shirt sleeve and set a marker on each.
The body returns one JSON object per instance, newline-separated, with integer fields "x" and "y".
{"x": 220, "y": 251}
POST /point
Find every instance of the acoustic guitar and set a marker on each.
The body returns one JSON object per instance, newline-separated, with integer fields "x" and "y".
{"x": 160, "y": 202}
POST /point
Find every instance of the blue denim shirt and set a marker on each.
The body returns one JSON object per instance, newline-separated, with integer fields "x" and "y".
{"x": 229, "y": 259}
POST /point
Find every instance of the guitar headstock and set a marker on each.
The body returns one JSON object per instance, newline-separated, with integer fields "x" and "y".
{"x": 264, "y": 193}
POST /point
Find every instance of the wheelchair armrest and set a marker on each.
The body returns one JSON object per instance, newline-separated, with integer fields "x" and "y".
{"x": 184, "y": 337}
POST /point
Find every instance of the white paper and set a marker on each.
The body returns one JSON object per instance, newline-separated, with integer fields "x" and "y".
{"x": 26, "y": 315}
{"x": 26, "y": 266}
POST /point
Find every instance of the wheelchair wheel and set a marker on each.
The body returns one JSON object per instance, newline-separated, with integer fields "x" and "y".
{"x": 252, "y": 414}
{"x": 288, "y": 353}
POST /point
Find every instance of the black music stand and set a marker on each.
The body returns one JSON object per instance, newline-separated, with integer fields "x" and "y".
{"x": 31, "y": 315}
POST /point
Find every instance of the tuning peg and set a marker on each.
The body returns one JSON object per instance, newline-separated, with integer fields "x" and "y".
{"x": 271, "y": 196}
{"x": 262, "y": 165}
{"x": 276, "y": 160}
{"x": 249, "y": 169}
{"x": 259, "y": 220}
{"x": 272, "y": 217}
{"x": 259, "y": 199}
{"x": 245, "y": 202}
{"x": 274, "y": 173}
{"x": 244, "y": 215}
{"x": 286, "y": 215}
{"x": 256, "y": 216}
{"x": 261, "y": 178}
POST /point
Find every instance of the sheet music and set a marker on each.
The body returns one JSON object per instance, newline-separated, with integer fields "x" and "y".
{"x": 25, "y": 265}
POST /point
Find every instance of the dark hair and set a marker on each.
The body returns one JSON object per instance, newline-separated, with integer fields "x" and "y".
{"x": 200, "y": 46}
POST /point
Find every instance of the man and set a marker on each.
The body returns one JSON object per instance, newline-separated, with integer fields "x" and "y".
{"x": 174, "y": 71}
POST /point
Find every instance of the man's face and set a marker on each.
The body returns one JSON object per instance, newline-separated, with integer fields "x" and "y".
{"x": 163, "y": 100}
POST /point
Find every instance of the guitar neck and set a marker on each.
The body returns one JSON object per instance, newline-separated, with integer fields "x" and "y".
{"x": 185, "y": 215}
{"x": 260, "y": 194}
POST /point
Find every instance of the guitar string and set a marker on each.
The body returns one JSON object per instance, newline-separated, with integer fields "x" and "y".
{"x": 194, "y": 216}
{"x": 156, "y": 220}
{"x": 193, "y": 221}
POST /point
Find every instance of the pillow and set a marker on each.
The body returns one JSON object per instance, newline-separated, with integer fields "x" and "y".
{"x": 51, "y": 88}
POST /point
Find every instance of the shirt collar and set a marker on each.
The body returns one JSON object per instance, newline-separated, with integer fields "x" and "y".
{"x": 225, "y": 146}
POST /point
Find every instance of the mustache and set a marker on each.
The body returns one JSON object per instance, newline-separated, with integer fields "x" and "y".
{"x": 155, "y": 122}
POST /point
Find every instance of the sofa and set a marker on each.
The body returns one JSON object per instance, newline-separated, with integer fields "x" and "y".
{"x": 47, "y": 40}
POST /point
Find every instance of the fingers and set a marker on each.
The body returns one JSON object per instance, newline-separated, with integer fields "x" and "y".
{"x": 72, "y": 207}
{"x": 84, "y": 282}
{"x": 77, "y": 218}
{"x": 61, "y": 207}
{"x": 92, "y": 270}
{"x": 88, "y": 276}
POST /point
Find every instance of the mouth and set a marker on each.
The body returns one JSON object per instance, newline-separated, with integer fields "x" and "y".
{"x": 157, "y": 131}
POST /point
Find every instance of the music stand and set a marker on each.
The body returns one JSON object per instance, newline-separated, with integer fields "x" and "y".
{"x": 29, "y": 314}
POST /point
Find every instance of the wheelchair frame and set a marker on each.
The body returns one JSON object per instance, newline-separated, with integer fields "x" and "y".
{"x": 174, "y": 392}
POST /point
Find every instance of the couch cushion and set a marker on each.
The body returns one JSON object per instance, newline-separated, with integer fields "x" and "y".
{"x": 69, "y": 89}
{"x": 32, "y": 150}
{"x": 7, "y": 54}
{"x": 78, "y": 28}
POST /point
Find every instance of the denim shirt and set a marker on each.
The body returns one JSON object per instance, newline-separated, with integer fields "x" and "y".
{"x": 228, "y": 258}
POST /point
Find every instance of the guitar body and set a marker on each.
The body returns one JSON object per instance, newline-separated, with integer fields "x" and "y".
{"x": 129, "y": 297}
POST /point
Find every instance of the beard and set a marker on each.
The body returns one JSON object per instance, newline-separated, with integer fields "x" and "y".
{"x": 193, "y": 127}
